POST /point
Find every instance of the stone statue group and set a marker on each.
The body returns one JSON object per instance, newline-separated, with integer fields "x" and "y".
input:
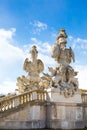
{"x": 61, "y": 77}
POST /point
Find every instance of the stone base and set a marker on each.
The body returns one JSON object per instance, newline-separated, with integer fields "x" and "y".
{"x": 58, "y": 124}
{"x": 54, "y": 95}
{"x": 65, "y": 116}
{"x": 64, "y": 113}
{"x": 22, "y": 124}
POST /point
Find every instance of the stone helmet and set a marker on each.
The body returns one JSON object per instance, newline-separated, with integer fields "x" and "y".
{"x": 61, "y": 38}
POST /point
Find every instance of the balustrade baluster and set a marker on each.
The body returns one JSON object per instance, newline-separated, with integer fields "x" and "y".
{"x": 28, "y": 98}
{"x": 7, "y": 105}
{"x": 25, "y": 99}
{"x": 3, "y": 107}
{"x": 12, "y": 103}
{"x": 37, "y": 96}
{"x": 21, "y": 99}
{"x": 42, "y": 96}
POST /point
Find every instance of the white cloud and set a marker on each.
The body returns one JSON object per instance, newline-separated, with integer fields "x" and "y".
{"x": 6, "y": 35}
{"x": 7, "y": 86}
{"x": 78, "y": 43}
{"x": 41, "y": 25}
{"x": 82, "y": 76}
{"x": 8, "y": 52}
{"x": 43, "y": 47}
{"x": 11, "y": 57}
{"x": 33, "y": 39}
{"x": 54, "y": 34}
{"x": 70, "y": 37}
{"x": 38, "y": 26}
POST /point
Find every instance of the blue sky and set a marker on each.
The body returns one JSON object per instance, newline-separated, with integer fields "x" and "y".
{"x": 27, "y": 22}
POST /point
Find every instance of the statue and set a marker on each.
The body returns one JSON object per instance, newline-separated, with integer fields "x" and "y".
{"x": 33, "y": 68}
{"x": 59, "y": 51}
{"x": 63, "y": 76}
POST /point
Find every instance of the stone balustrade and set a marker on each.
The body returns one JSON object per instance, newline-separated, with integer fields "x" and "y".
{"x": 15, "y": 101}
{"x": 84, "y": 98}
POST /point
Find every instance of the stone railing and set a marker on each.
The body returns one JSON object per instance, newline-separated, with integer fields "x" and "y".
{"x": 21, "y": 99}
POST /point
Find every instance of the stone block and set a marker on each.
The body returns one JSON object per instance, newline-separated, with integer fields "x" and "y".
{"x": 79, "y": 124}
{"x": 55, "y": 96}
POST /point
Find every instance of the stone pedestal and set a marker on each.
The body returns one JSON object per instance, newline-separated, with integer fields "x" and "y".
{"x": 54, "y": 95}
{"x": 64, "y": 113}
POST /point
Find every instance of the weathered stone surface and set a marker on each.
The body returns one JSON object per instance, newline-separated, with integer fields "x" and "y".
{"x": 33, "y": 68}
{"x": 30, "y": 117}
{"x": 54, "y": 95}
{"x": 63, "y": 76}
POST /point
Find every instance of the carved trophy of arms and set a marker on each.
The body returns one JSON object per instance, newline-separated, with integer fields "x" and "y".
{"x": 55, "y": 51}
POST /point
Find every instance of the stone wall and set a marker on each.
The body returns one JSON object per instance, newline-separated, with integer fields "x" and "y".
{"x": 65, "y": 116}
{"x": 54, "y": 112}
{"x": 65, "y": 113}
{"x": 30, "y": 116}
{"x": 84, "y": 101}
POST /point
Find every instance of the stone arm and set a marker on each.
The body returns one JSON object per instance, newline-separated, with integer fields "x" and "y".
{"x": 72, "y": 54}
{"x": 25, "y": 64}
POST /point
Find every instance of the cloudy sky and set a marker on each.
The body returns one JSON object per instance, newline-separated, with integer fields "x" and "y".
{"x": 24, "y": 23}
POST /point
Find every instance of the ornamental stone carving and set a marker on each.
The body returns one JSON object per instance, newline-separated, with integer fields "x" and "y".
{"x": 33, "y": 68}
{"x": 63, "y": 76}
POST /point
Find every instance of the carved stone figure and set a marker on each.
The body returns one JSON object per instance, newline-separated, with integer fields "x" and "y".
{"x": 63, "y": 76}
{"x": 33, "y": 68}
{"x": 59, "y": 51}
